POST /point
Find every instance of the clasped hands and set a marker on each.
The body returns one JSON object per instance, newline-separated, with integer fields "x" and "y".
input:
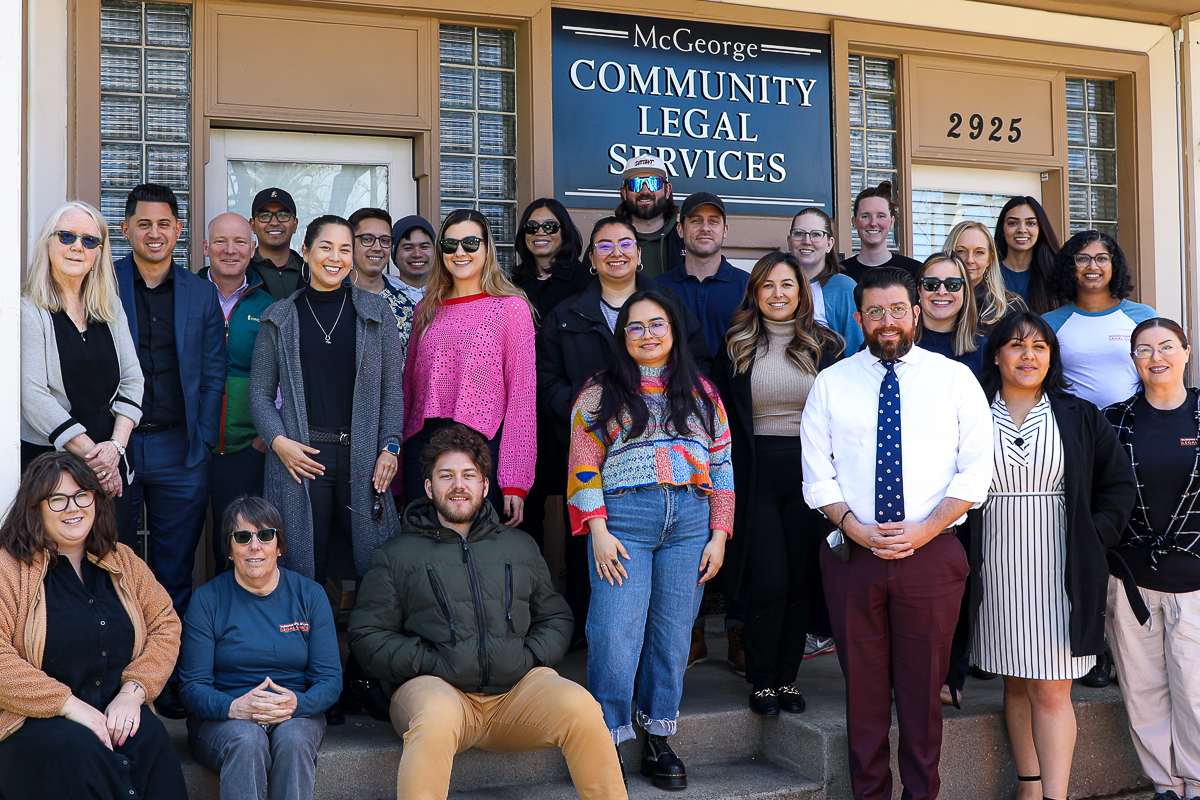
{"x": 267, "y": 704}
{"x": 891, "y": 540}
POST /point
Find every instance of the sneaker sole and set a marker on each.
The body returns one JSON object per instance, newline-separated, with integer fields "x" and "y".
{"x": 824, "y": 652}
{"x": 700, "y": 660}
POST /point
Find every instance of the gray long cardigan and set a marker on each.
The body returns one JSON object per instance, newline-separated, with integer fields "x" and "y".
{"x": 376, "y": 420}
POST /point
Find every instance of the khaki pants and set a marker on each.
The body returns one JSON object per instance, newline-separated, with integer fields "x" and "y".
{"x": 543, "y": 710}
{"x": 1159, "y": 666}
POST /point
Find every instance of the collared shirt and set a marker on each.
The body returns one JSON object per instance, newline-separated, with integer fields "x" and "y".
{"x": 399, "y": 298}
{"x": 713, "y": 300}
{"x": 945, "y": 430}
{"x": 227, "y": 303}
{"x": 162, "y": 398}
{"x": 415, "y": 293}
{"x": 280, "y": 282}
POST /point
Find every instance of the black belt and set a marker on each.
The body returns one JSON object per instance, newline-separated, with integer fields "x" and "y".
{"x": 156, "y": 427}
{"x": 329, "y": 436}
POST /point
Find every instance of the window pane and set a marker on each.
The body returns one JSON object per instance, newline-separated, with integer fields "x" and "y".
{"x": 120, "y": 22}
{"x": 168, "y": 25}
{"x": 120, "y": 69}
{"x": 458, "y": 87}
{"x": 168, "y": 71}
{"x": 457, "y": 44}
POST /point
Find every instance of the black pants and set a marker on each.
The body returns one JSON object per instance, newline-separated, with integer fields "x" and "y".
{"x": 414, "y": 481}
{"x": 231, "y": 475}
{"x": 784, "y": 573}
{"x": 329, "y": 497}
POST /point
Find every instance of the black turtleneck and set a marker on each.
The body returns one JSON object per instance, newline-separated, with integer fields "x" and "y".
{"x": 328, "y": 369}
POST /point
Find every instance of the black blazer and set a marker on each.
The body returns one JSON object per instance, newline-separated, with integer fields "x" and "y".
{"x": 574, "y": 343}
{"x": 563, "y": 283}
{"x": 1100, "y": 487}
{"x": 738, "y": 398}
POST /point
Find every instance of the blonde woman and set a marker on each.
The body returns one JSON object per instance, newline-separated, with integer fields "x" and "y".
{"x": 973, "y": 243}
{"x": 81, "y": 382}
{"x": 949, "y": 322}
{"x": 471, "y": 360}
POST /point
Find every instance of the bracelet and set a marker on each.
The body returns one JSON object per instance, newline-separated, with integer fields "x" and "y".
{"x": 137, "y": 686}
{"x": 840, "y": 521}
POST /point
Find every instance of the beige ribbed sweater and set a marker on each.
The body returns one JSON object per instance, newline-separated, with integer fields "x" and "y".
{"x": 778, "y": 387}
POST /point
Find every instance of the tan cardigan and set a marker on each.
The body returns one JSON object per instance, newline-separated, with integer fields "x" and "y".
{"x": 25, "y": 690}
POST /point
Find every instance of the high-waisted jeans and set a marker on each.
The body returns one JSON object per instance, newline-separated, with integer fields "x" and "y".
{"x": 642, "y": 630}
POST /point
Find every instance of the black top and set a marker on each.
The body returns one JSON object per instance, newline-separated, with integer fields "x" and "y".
{"x": 1165, "y": 443}
{"x": 327, "y": 367}
{"x": 942, "y": 342}
{"x": 89, "y": 636}
{"x": 855, "y": 270}
{"x": 162, "y": 395}
{"x": 562, "y": 283}
{"x": 91, "y": 373}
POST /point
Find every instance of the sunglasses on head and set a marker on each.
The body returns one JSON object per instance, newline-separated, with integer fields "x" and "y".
{"x": 264, "y": 536}
{"x": 550, "y": 226}
{"x": 651, "y": 182}
{"x": 932, "y": 284}
{"x": 68, "y": 238}
{"x": 470, "y": 244}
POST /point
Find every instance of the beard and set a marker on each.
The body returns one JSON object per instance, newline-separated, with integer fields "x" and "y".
{"x": 889, "y": 350}
{"x": 656, "y": 208}
{"x": 455, "y": 513}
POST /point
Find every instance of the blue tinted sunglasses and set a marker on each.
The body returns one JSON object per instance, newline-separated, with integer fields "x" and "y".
{"x": 651, "y": 182}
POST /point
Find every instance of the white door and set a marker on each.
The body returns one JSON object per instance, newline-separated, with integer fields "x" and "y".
{"x": 942, "y": 197}
{"x": 325, "y": 174}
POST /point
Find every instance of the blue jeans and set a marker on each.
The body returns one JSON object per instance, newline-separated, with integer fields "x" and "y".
{"x": 277, "y": 764}
{"x": 643, "y": 629}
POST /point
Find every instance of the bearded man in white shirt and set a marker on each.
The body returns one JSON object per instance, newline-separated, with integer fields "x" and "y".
{"x": 897, "y": 445}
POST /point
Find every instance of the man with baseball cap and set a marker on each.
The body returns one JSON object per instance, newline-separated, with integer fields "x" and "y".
{"x": 412, "y": 253}
{"x": 273, "y": 220}
{"x": 647, "y": 204}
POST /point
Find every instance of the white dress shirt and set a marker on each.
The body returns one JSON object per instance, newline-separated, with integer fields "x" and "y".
{"x": 945, "y": 429}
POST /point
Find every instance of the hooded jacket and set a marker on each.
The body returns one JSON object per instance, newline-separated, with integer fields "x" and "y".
{"x": 478, "y": 612}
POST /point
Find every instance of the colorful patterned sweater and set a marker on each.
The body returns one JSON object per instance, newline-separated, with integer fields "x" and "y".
{"x": 475, "y": 364}
{"x": 656, "y": 457}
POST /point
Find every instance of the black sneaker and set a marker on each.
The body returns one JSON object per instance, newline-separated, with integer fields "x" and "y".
{"x": 1167, "y": 795}
{"x": 1099, "y": 676}
{"x": 661, "y": 765}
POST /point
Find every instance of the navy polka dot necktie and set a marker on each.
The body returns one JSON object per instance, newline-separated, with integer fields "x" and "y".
{"x": 889, "y": 476}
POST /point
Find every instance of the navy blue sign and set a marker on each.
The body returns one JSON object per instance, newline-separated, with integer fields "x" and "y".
{"x": 742, "y": 112}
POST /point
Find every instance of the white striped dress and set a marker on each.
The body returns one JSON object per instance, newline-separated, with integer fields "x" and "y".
{"x": 1022, "y": 628}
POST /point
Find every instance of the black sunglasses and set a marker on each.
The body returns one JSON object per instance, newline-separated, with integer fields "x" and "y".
{"x": 550, "y": 226}
{"x": 932, "y": 284}
{"x": 469, "y": 244}
{"x": 90, "y": 242}
{"x": 264, "y": 536}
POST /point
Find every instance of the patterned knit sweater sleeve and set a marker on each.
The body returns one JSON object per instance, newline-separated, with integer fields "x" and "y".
{"x": 518, "y": 436}
{"x": 585, "y": 484}
{"x": 720, "y": 467}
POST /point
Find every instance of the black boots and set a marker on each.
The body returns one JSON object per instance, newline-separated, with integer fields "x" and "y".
{"x": 661, "y": 765}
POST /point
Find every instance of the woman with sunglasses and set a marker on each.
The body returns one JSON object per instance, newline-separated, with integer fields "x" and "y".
{"x": 259, "y": 664}
{"x": 333, "y": 351}
{"x": 471, "y": 360}
{"x": 948, "y": 323}
{"x": 81, "y": 381}
{"x": 576, "y": 341}
{"x": 1153, "y": 619}
{"x": 651, "y": 484}
{"x": 88, "y": 638}
{"x": 973, "y": 243}
{"x": 1093, "y": 328}
{"x": 1027, "y": 246}
{"x": 773, "y": 351}
{"x": 1060, "y": 495}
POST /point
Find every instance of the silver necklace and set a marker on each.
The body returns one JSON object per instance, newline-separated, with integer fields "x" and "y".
{"x": 333, "y": 327}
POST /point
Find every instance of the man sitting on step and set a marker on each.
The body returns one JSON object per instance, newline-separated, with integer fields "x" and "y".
{"x": 460, "y": 612}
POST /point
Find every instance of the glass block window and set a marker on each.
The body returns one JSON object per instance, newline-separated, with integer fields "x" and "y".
{"x": 1092, "y": 155}
{"x": 479, "y": 128}
{"x": 145, "y": 108}
{"x": 873, "y": 125}
{"x": 935, "y": 212}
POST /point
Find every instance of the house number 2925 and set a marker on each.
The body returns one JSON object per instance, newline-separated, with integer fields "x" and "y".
{"x": 978, "y": 127}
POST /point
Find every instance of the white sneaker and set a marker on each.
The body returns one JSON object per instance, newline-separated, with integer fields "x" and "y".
{"x": 817, "y": 646}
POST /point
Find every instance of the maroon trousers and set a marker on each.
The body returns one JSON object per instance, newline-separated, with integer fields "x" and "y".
{"x": 893, "y": 622}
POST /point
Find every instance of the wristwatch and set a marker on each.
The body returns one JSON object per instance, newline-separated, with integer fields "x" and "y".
{"x": 393, "y": 448}
{"x": 120, "y": 449}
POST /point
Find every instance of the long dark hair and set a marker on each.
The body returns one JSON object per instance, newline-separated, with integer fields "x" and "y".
{"x": 23, "y": 533}
{"x": 620, "y": 382}
{"x": 1042, "y": 297}
{"x": 1064, "y": 280}
{"x": 1018, "y": 325}
{"x": 568, "y": 252}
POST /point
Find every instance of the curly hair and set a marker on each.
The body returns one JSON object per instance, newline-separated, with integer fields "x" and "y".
{"x": 23, "y": 533}
{"x": 1063, "y": 279}
{"x": 457, "y": 438}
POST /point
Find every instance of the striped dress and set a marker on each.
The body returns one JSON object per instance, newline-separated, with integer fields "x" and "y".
{"x": 1022, "y": 625}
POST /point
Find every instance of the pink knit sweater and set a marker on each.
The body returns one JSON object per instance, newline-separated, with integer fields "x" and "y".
{"x": 475, "y": 364}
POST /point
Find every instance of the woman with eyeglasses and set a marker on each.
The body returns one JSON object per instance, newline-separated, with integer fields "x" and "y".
{"x": 88, "y": 638}
{"x": 1027, "y": 247}
{"x": 948, "y": 323}
{"x": 973, "y": 243}
{"x": 810, "y": 241}
{"x": 471, "y": 360}
{"x": 1094, "y": 326}
{"x": 1061, "y": 493}
{"x": 576, "y": 341}
{"x": 259, "y": 664}
{"x": 1153, "y": 620}
{"x": 651, "y": 484}
{"x": 334, "y": 353}
{"x": 772, "y": 354}
{"x": 81, "y": 380}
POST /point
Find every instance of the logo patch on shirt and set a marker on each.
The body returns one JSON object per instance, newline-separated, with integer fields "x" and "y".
{"x": 293, "y": 627}
{"x": 1117, "y": 337}
{"x": 1187, "y": 442}
{"x": 252, "y": 318}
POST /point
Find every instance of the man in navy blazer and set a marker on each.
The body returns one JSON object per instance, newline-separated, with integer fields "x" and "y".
{"x": 176, "y": 322}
